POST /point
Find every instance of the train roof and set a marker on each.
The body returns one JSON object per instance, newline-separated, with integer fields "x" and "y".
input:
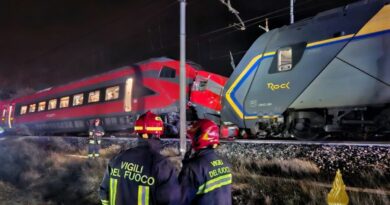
{"x": 42, "y": 92}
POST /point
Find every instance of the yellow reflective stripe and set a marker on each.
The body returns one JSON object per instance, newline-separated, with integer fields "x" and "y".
{"x": 250, "y": 117}
{"x": 113, "y": 187}
{"x": 104, "y": 202}
{"x": 143, "y": 195}
{"x": 146, "y": 195}
{"x": 224, "y": 183}
{"x": 91, "y": 141}
{"x": 138, "y": 128}
{"x": 269, "y": 116}
{"x": 154, "y": 128}
{"x": 139, "y": 195}
{"x": 215, "y": 183}
{"x": 316, "y": 43}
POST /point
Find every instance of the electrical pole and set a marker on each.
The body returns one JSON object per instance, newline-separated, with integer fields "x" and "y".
{"x": 292, "y": 11}
{"x": 183, "y": 83}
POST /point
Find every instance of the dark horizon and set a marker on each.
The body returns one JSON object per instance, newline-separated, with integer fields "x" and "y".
{"x": 45, "y": 43}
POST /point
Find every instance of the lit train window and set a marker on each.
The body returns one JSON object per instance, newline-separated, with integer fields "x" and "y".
{"x": 78, "y": 99}
{"x": 284, "y": 59}
{"x": 94, "y": 96}
{"x": 41, "y": 106}
{"x": 64, "y": 102}
{"x": 52, "y": 104}
{"x": 32, "y": 108}
{"x": 112, "y": 93}
{"x": 23, "y": 110}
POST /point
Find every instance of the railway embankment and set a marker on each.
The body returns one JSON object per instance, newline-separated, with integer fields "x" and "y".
{"x": 264, "y": 172}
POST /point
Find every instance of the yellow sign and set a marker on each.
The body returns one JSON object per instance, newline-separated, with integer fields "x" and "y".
{"x": 338, "y": 195}
{"x": 274, "y": 87}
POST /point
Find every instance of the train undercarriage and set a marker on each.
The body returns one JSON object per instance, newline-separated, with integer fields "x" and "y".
{"x": 317, "y": 124}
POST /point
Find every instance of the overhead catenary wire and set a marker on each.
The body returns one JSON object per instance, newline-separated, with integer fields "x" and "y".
{"x": 256, "y": 23}
{"x": 241, "y": 25}
{"x": 260, "y": 18}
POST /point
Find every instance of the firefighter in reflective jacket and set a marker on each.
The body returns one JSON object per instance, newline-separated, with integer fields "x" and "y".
{"x": 96, "y": 133}
{"x": 141, "y": 175}
{"x": 205, "y": 177}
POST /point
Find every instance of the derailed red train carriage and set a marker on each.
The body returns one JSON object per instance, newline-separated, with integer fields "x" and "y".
{"x": 117, "y": 97}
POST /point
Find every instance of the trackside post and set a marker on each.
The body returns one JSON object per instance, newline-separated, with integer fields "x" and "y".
{"x": 183, "y": 84}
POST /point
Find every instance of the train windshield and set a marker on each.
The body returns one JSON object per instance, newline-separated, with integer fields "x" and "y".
{"x": 200, "y": 84}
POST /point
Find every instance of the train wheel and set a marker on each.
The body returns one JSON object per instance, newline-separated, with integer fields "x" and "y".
{"x": 302, "y": 130}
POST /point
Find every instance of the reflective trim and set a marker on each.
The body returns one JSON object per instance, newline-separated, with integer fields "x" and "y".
{"x": 154, "y": 128}
{"x": 215, "y": 183}
{"x": 143, "y": 195}
{"x": 91, "y": 141}
{"x": 104, "y": 202}
{"x": 138, "y": 128}
{"x": 113, "y": 187}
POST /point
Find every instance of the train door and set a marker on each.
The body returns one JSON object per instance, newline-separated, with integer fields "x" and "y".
{"x": 4, "y": 112}
{"x": 9, "y": 115}
{"x": 128, "y": 95}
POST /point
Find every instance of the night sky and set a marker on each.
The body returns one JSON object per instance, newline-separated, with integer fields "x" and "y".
{"x": 45, "y": 43}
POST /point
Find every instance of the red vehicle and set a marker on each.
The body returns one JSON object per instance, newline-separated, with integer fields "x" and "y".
{"x": 117, "y": 97}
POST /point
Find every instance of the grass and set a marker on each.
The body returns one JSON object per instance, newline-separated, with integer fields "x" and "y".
{"x": 298, "y": 181}
{"x": 58, "y": 173}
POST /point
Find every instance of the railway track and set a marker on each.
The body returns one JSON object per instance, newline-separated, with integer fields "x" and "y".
{"x": 330, "y": 143}
{"x": 241, "y": 141}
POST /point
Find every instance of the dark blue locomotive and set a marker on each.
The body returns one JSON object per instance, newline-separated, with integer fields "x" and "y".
{"x": 326, "y": 74}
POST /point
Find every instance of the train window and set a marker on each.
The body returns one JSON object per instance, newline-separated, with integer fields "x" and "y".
{"x": 94, "y": 96}
{"x": 199, "y": 85}
{"x": 167, "y": 72}
{"x": 285, "y": 59}
{"x": 64, "y": 102}
{"x": 78, "y": 99}
{"x": 23, "y": 110}
{"x": 41, "y": 106}
{"x": 52, "y": 104}
{"x": 112, "y": 93}
{"x": 32, "y": 108}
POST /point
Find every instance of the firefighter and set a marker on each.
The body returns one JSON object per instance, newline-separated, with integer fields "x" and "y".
{"x": 205, "y": 177}
{"x": 141, "y": 175}
{"x": 96, "y": 133}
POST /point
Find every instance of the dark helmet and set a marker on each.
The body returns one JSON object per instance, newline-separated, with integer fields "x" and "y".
{"x": 149, "y": 125}
{"x": 97, "y": 120}
{"x": 203, "y": 134}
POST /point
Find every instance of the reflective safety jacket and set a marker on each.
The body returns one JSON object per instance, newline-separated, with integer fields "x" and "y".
{"x": 140, "y": 176}
{"x": 95, "y": 134}
{"x": 206, "y": 179}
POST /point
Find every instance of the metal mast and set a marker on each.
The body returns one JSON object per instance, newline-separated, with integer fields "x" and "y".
{"x": 292, "y": 11}
{"x": 183, "y": 83}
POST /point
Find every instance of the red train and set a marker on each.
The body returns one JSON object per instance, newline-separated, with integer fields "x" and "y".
{"x": 117, "y": 97}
